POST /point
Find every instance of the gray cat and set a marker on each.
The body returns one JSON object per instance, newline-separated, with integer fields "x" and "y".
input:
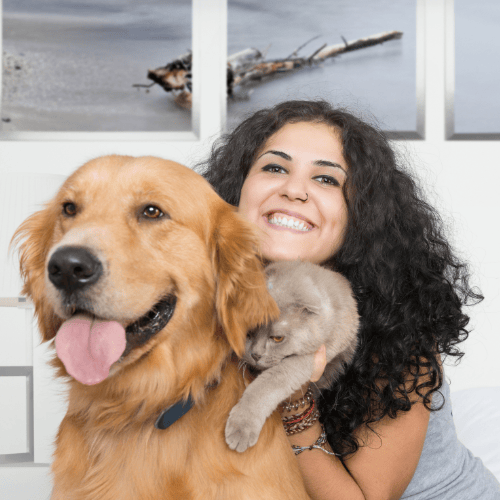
{"x": 316, "y": 307}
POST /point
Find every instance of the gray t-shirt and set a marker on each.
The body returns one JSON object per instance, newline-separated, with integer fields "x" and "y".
{"x": 447, "y": 470}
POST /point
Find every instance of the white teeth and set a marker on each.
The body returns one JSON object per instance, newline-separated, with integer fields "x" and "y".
{"x": 292, "y": 224}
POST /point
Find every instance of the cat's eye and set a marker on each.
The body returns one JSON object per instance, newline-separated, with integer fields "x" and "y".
{"x": 278, "y": 339}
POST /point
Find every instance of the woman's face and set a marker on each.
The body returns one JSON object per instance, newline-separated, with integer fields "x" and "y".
{"x": 293, "y": 192}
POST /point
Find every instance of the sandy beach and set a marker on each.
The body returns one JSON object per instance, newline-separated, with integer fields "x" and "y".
{"x": 67, "y": 70}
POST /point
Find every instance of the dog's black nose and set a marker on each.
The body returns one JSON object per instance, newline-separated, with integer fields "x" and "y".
{"x": 71, "y": 268}
{"x": 256, "y": 357}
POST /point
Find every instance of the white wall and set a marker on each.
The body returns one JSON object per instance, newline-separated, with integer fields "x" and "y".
{"x": 461, "y": 177}
{"x": 462, "y": 180}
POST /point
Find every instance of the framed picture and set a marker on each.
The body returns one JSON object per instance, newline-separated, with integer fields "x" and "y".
{"x": 78, "y": 67}
{"x": 370, "y": 72}
{"x": 472, "y": 71}
{"x": 16, "y": 444}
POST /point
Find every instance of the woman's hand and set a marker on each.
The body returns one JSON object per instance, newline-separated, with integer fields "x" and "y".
{"x": 319, "y": 363}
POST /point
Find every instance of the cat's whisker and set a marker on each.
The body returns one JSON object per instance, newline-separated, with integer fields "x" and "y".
{"x": 336, "y": 400}
{"x": 315, "y": 385}
{"x": 243, "y": 367}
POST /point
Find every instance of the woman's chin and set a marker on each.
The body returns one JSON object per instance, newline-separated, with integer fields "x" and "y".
{"x": 292, "y": 246}
{"x": 281, "y": 254}
{"x": 287, "y": 252}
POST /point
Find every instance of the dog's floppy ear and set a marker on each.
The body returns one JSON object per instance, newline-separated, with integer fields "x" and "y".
{"x": 32, "y": 239}
{"x": 242, "y": 299}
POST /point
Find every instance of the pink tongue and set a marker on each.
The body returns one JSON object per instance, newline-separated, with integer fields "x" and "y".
{"x": 89, "y": 348}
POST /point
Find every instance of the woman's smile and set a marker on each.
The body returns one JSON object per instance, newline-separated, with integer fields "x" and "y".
{"x": 284, "y": 219}
{"x": 293, "y": 192}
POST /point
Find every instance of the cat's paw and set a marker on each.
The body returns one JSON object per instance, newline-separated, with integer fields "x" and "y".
{"x": 242, "y": 429}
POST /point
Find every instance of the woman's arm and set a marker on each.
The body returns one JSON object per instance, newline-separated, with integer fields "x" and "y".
{"x": 379, "y": 470}
{"x": 384, "y": 468}
{"x": 324, "y": 476}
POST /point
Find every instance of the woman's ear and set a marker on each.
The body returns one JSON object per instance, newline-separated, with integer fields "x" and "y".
{"x": 242, "y": 299}
{"x": 33, "y": 241}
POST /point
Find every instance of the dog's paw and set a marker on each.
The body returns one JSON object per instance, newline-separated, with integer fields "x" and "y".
{"x": 242, "y": 429}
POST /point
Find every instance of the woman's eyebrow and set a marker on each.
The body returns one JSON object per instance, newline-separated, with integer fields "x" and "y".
{"x": 320, "y": 163}
{"x": 278, "y": 153}
{"x": 326, "y": 163}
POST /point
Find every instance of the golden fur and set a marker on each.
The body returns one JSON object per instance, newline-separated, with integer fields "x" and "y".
{"x": 107, "y": 447}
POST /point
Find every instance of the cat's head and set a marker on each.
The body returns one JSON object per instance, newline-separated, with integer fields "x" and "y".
{"x": 294, "y": 331}
{"x": 268, "y": 345}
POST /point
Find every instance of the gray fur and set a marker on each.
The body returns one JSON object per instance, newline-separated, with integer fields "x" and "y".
{"x": 317, "y": 307}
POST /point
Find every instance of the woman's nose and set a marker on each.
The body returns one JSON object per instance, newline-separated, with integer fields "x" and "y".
{"x": 294, "y": 189}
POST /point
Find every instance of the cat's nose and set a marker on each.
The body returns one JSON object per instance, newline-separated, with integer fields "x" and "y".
{"x": 256, "y": 357}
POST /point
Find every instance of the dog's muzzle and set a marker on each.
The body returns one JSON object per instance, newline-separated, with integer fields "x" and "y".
{"x": 71, "y": 269}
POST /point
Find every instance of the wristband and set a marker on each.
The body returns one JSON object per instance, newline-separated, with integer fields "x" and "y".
{"x": 319, "y": 445}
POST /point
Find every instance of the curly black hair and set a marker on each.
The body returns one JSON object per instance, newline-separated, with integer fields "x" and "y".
{"x": 409, "y": 284}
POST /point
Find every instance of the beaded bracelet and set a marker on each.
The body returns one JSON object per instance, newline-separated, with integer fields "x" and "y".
{"x": 298, "y": 423}
{"x": 294, "y": 405}
{"x": 318, "y": 445}
{"x": 294, "y": 419}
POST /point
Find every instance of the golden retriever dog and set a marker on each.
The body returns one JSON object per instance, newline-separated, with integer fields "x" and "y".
{"x": 147, "y": 283}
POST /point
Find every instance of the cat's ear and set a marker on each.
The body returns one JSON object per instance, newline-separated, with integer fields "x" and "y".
{"x": 308, "y": 308}
{"x": 311, "y": 301}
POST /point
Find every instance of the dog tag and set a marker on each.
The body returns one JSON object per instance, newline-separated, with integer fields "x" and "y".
{"x": 174, "y": 413}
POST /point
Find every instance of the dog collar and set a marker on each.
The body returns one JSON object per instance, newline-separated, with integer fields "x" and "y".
{"x": 173, "y": 413}
{"x": 176, "y": 411}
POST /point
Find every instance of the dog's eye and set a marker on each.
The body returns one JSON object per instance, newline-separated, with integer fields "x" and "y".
{"x": 152, "y": 212}
{"x": 278, "y": 339}
{"x": 69, "y": 209}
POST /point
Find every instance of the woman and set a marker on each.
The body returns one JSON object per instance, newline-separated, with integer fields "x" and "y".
{"x": 324, "y": 186}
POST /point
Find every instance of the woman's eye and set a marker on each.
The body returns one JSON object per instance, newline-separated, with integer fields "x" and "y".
{"x": 69, "y": 209}
{"x": 278, "y": 339}
{"x": 152, "y": 212}
{"x": 328, "y": 180}
{"x": 274, "y": 169}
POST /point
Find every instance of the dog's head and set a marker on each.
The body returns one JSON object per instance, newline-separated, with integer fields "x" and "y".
{"x": 145, "y": 243}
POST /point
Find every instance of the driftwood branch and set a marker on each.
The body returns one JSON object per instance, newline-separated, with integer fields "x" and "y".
{"x": 335, "y": 50}
{"x": 250, "y": 65}
{"x": 174, "y": 77}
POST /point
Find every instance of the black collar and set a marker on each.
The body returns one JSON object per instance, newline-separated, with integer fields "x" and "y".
{"x": 176, "y": 411}
{"x": 173, "y": 413}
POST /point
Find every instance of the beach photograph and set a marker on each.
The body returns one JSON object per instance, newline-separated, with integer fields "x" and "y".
{"x": 71, "y": 65}
{"x": 477, "y": 76}
{"x": 377, "y": 80}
